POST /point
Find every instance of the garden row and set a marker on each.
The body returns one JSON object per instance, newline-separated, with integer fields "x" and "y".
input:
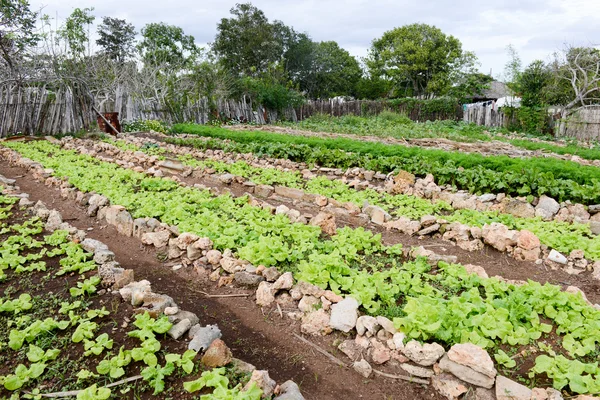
{"x": 562, "y": 180}
{"x": 390, "y": 125}
{"x": 56, "y": 335}
{"x": 460, "y": 307}
{"x": 415, "y": 215}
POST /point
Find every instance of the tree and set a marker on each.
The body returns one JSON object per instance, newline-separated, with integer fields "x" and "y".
{"x": 512, "y": 69}
{"x": 17, "y": 30}
{"x": 167, "y": 46}
{"x": 74, "y": 33}
{"x": 248, "y": 44}
{"x": 335, "y": 71}
{"x": 418, "y": 59}
{"x": 532, "y": 84}
{"x": 116, "y": 38}
{"x": 580, "y": 68}
{"x": 469, "y": 85}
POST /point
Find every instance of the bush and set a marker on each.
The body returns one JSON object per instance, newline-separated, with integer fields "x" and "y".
{"x": 139, "y": 125}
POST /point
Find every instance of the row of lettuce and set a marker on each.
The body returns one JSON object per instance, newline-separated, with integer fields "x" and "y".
{"x": 562, "y": 236}
{"x": 559, "y": 179}
{"x": 444, "y": 303}
{"x": 39, "y": 325}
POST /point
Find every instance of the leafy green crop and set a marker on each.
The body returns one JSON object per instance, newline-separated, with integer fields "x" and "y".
{"x": 216, "y": 379}
{"x": 563, "y": 180}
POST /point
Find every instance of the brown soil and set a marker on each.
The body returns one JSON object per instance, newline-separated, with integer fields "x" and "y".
{"x": 264, "y": 340}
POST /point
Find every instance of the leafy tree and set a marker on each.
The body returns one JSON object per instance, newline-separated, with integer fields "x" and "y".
{"x": 470, "y": 84}
{"x": 372, "y": 88}
{"x": 418, "y": 59}
{"x": 532, "y": 84}
{"x": 248, "y": 44}
{"x": 167, "y": 46}
{"x": 116, "y": 37}
{"x": 74, "y": 32}
{"x": 17, "y": 30}
{"x": 335, "y": 71}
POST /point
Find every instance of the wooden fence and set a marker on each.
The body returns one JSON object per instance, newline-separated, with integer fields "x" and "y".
{"x": 338, "y": 107}
{"x": 486, "y": 116}
{"x": 583, "y": 125}
{"x": 39, "y": 110}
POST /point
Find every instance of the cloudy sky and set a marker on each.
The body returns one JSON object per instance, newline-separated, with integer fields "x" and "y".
{"x": 536, "y": 28}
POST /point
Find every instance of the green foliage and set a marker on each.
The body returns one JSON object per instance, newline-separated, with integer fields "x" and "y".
{"x": 22, "y": 303}
{"x": 217, "y": 380}
{"x": 148, "y": 125}
{"x": 114, "y": 366}
{"x": 98, "y": 345}
{"x": 270, "y": 93}
{"x": 155, "y": 376}
{"x": 94, "y": 393}
{"x": 167, "y": 47}
{"x": 579, "y": 376}
{"x": 430, "y": 109}
{"x": 116, "y": 38}
{"x": 74, "y": 31}
{"x": 418, "y": 58}
{"x": 562, "y": 180}
{"x": 247, "y": 43}
{"x": 17, "y": 30}
{"x": 87, "y": 287}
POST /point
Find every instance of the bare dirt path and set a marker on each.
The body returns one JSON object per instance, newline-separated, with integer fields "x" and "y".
{"x": 263, "y": 340}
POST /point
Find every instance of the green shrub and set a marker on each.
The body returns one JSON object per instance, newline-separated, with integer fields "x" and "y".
{"x": 138, "y": 125}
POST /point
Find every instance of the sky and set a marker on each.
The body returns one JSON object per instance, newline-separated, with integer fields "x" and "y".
{"x": 536, "y": 28}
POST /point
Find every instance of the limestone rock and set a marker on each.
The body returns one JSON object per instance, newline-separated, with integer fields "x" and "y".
{"x": 264, "y": 294}
{"x": 415, "y": 370}
{"x": 448, "y": 386}
{"x": 367, "y": 324}
{"x": 289, "y": 391}
{"x": 474, "y": 357}
{"x": 157, "y": 239}
{"x": 316, "y": 323}
{"x": 344, "y": 315}
{"x": 284, "y": 282}
{"x": 507, "y": 389}
{"x": 423, "y": 354}
{"x": 326, "y": 221}
{"x": 465, "y": 373}
{"x": 547, "y": 208}
{"x": 203, "y": 337}
{"x": 363, "y": 368}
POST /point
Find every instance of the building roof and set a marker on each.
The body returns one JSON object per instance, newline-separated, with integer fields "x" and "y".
{"x": 495, "y": 91}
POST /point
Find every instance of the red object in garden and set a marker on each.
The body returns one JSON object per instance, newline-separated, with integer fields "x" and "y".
{"x": 113, "y": 118}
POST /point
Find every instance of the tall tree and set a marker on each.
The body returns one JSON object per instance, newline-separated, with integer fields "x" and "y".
{"x": 512, "y": 68}
{"x": 532, "y": 84}
{"x": 116, "y": 38}
{"x": 167, "y": 46}
{"x": 17, "y": 30}
{"x": 247, "y": 43}
{"x": 335, "y": 71}
{"x": 417, "y": 58}
{"x": 74, "y": 31}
